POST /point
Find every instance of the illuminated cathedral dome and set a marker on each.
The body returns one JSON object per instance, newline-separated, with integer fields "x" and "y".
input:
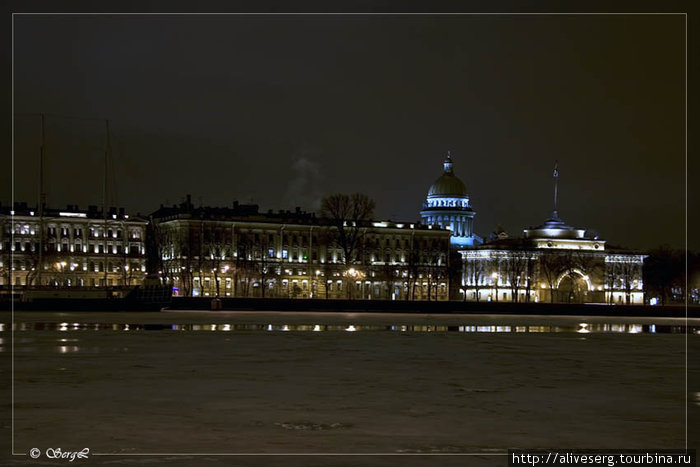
{"x": 448, "y": 184}
{"x": 447, "y": 206}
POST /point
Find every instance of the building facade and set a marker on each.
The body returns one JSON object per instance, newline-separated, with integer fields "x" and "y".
{"x": 240, "y": 252}
{"x": 70, "y": 248}
{"x": 553, "y": 263}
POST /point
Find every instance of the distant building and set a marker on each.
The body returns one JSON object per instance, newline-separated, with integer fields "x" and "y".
{"x": 70, "y": 247}
{"x": 238, "y": 251}
{"x": 552, "y": 263}
{"x": 448, "y": 206}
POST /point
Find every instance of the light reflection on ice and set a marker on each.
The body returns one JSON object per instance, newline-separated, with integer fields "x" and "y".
{"x": 582, "y": 328}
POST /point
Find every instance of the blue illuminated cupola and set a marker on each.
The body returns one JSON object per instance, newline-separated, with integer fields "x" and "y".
{"x": 447, "y": 206}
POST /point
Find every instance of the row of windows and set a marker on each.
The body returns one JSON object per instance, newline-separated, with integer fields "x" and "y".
{"x": 77, "y": 248}
{"x": 64, "y": 266}
{"x": 52, "y": 231}
{"x": 333, "y": 286}
{"x": 69, "y": 282}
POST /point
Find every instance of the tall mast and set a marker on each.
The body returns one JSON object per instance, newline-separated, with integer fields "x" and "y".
{"x": 104, "y": 203}
{"x": 556, "y": 182}
{"x": 41, "y": 199}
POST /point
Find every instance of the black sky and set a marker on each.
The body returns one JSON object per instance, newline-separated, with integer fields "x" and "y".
{"x": 281, "y": 110}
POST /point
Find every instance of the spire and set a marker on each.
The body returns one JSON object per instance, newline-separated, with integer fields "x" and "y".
{"x": 447, "y": 164}
{"x": 555, "y": 215}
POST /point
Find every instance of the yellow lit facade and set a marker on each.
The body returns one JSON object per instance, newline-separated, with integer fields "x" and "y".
{"x": 553, "y": 263}
{"x": 80, "y": 249}
{"x": 239, "y": 252}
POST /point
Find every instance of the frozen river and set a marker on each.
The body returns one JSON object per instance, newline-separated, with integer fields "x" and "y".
{"x": 416, "y": 389}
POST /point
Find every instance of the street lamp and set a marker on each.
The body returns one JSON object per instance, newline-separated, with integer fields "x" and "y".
{"x": 352, "y": 275}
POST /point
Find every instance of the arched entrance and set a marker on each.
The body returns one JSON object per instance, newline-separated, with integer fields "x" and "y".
{"x": 572, "y": 288}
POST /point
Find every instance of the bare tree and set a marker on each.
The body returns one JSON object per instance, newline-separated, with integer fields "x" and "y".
{"x": 218, "y": 250}
{"x": 628, "y": 273}
{"x": 475, "y": 271}
{"x": 266, "y": 266}
{"x": 245, "y": 269}
{"x": 32, "y": 264}
{"x": 664, "y": 269}
{"x": 348, "y": 214}
{"x": 516, "y": 263}
{"x": 453, "y": 271}
{"x": 387, "y": 274}
{"x": 434, "y": 270}
{"x": 530, "y": 270}
{"x": 496, "y": 267}
{"x": 611, "y": 275}
{"x": 550, "y": 267}
{"x": 412, "y": 270}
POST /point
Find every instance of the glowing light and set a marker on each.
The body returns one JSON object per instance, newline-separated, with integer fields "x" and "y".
{"x": 72, "y": 214}
{"x": 351, "y": 328}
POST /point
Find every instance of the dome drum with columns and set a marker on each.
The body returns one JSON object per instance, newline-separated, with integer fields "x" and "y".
{"x": 447, "y": 206}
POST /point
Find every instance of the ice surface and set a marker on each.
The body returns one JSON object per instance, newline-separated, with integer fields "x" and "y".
{"x": 406, "y": 393}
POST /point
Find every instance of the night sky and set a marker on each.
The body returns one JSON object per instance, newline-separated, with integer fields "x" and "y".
{"x": 282, "y": 110}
